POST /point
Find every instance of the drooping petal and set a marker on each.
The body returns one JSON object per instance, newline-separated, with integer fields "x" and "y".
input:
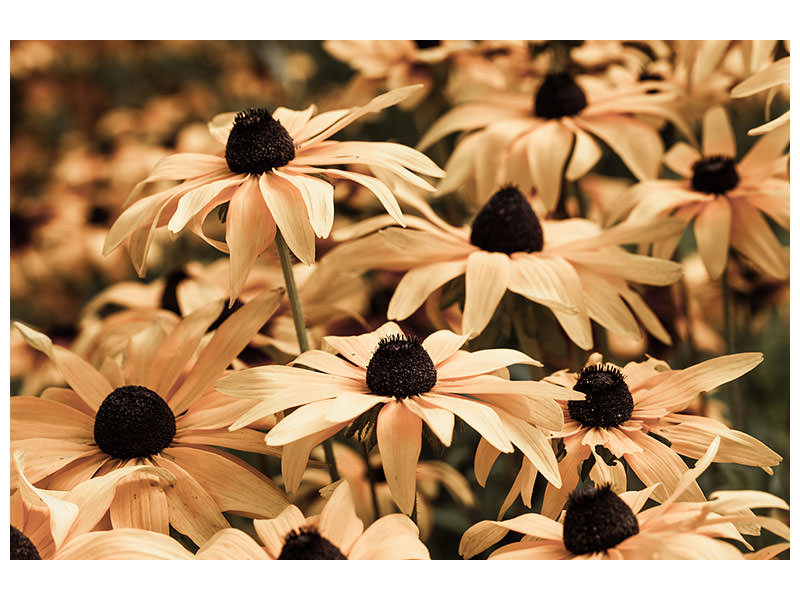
{"x": 712, "y": 229}
{"x": 123, "y": 544}
{"x": 548, "y": 149}
{"x": 481, "y": 417}
{"x": 399, "y": 434}
{"x": 140, "y": 503}
{"x": 637, "y": 144}
{"x": 318, "y": 197}
{"x": 419, "y": 283}
{"x": 487, "y": 278}
{"x": 288, "y": 209}
{"x": 231, "y": 544}
{"x": 338, "y": 521}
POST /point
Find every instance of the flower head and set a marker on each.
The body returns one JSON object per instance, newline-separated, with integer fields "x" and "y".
{"x": 273, "y": 175}
{"x": 387, "y": 386}
{"x": 158, "y": 408}
{"x": 572, "y": 266}
{"x": 599, "y": 524}
{"x": 725, "y": 198}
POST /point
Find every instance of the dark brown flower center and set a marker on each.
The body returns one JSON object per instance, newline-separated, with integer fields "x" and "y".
{"x": 596, "y": 520}
{"x": 132, "y": 422}
{"x": 425, "y": 44}
{"x": 21, "y": 547}
{"x": 400, "y": 368}
{"x": 257, "y": 143}
{"x": 608, "y": 399}
{"x": 507, "y": 224}
{"x": 558, "y": 96}
{"x": 308, "y": 544}
{"x": 714, "y": 175}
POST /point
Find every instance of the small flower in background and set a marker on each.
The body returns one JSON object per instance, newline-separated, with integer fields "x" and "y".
{"x": 392, "y": 64}
{"x": 723, "y": 197}
{"x": 158, "y": 408}
{"x": 599, "y": 524}
{"x": 572, "y": 267}
{"x": 269, "y": 177}
{"x": 54, "y": 525}
{"x": 537, "y": 137}
{"x": 336, "y": 534}
{"x": 625, "y": 405}
{"x": 392, "y": 385}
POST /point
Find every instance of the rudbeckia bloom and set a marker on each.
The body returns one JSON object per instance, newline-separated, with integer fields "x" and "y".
{"x": 55, "y": 525}
{"x": 401, "y": 383}
{"x": 335, "y": 534}
{"x": 536, "y": 138}
{"x": 725, "y": 198}
{"x": 624, "y": 405}
{"x": 572, "y": 266}
{"x": 272, "y": 174}
{"x": 158, "y": 409}
{"x": 599, "y": 524}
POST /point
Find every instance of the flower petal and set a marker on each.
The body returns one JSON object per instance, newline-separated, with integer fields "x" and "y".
{"x": 419, "y": 283}
{"x": 548, "y": 149}
{"x": 399, "y": 442}
{"x": 288, "y": 209}
{"x": 712, "y": 229}
{"x": 487, "y": 278}
{"x": 718, "y": 138}
{"x": 231, "y": 544}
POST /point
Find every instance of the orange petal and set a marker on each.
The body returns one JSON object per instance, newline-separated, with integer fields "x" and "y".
{"x": 718, "y": 138}
{"x": 712, "y": 229}
{"x": 399, "y": 442}
{"x": 487, "y": 278}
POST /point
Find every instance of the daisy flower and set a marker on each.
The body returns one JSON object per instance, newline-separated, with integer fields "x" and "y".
{"x": 272, "y": 173}
{"x": 154, "y": 410}
{"x": 392, "y": 385}
{"x": 723, "y": 197}
{"x": 335, "y": 534}
{"x": 535, "y": 138}
{"x": 571, "y": 266}
{"x": 625, "y": 405}
{"x": 54, "y": 525}
{"x": 599, "y": 524}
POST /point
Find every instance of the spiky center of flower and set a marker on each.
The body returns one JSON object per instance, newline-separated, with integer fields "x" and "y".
{"x": 133, "y": 422}
{"x": 308, "y": 544}
{"x": 714, "y": 175}
{"x": 425, "y": 44}
{"x": 257, "y": 143}
{"x": 608, "y": 399}
{"x": 559, "y": 96}
{"x": 507, "y": 224}
{"x": 596, "y": 520}
{"x": 400, "y": 368}
{"x": 21, "y": 547}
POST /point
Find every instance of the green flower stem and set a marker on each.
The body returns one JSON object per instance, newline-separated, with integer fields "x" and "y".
{"x": 300, "y": 330}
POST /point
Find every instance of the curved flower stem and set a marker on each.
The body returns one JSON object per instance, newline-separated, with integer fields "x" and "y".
{"x": 300, "y": 330}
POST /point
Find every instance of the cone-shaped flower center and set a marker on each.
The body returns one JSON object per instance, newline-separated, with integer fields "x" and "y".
{"x": 257, "y": 143}
{"x": 507, "y": 224}
{"x": 425, "y": 44}
{"x": 714, "y": 175}
{"x": 596, "y": 520}
{"x": 133, "y": 422}
{"x": 559, "y": 96}
{"x": 308, "y": 544}
{"x": 21, "y": 547}
{"x": 608, "y": 399}
{"x": 400, "y": 368}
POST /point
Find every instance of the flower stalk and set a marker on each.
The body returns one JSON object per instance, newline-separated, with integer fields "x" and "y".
{"x": 300, "y": 330}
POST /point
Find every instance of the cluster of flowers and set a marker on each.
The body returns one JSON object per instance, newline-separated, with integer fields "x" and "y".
{"x": 140, "y": 454}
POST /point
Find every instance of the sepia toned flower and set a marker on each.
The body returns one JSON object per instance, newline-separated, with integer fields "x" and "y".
{"x": 393, "y": 385}
{"x": 724, "y": 198}
{"x": 572, "y": 266}
{"x": 273, "y": 176}
{"x": 599, "y": 524}
{"x": 159, "y": 409}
